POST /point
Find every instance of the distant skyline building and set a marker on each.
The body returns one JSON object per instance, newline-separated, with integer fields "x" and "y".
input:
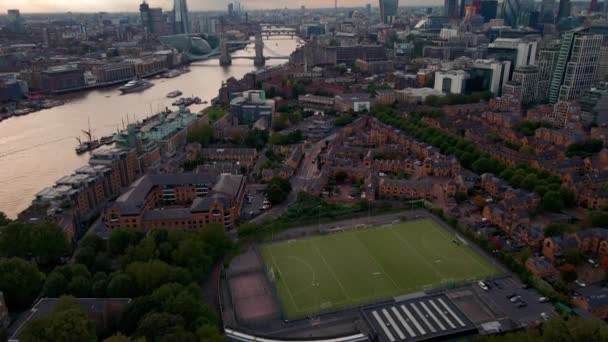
{"x": 15, "y": 21}
{"x": 547, "y": 12}
{"x": 489, "y": 9}
{"x": 450, "y": 8}
{"x": 564, "y": 9}
{"x": 510, "y": 12}
{"x": 181, "y": 24}
{"x": 388, "y": 10}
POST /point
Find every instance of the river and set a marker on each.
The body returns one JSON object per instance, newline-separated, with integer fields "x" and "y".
{"x": 38, "y": 149}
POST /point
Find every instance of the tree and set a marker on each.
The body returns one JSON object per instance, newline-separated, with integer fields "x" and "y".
{"x": 552, "y": 201}
{"x": 277, "y": 190}
{"x": 4, "y": 220}
{"x": 80, "y": 287}
{"x": 599, "y": 219}
{"x": 121, "y": 286}
{"x": 20, "y": 282}
{"x": 156, "y": 326}
{"x": 191, "y": 253}
{"x": 556, "y": 229}
{"x": 150, "y": 275}
{"x": 210, "y": 333}
{"x": 43, "y": 242}
{"x": 135, "y": 311}
{"x": 55, "y": 285}
{"x": 120, "y": 239}
{"x": 569, "y": 276}
{"x": 67, "y": 323}
{"x": 201, "y": 135}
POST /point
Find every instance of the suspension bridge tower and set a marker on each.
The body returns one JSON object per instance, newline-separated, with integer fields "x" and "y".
{"x": 259, "y": 60}
{"x": 225, "y": 58}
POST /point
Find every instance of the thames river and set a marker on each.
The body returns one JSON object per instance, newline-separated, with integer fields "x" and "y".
{"x": 38, "y": 149}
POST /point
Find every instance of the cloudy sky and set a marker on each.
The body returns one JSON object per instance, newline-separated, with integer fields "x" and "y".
{"x": 132, "y": 5}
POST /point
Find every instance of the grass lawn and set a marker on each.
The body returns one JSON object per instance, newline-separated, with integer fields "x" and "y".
{"x": 341, "y": 270}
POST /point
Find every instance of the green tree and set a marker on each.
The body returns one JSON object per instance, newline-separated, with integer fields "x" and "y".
{"x": 67, "y": 323}
{"x": 120, "y": 239}
{"x": 277, "y": 190}
{"x": 552, "y": 201}
{"x": 557, "y": 229}
{"x": 135, "y": 311}
{"x": 573, "y": 256}
{"x": 191, "y": 254}
{"x": 599, "y": 219}
{"x": 20, "y": 282}
{"x": 55, "y": 285}
{"x": 159, "y": 326}
{"x": 121, "y": 286}
{"x": 4, "y": 220}
{"x": 210, "y": 333}
{"x": 80, "y": 287}
{"x": 201, "y": 135}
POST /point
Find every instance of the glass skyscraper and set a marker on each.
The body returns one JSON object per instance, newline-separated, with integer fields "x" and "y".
{"x": 511, "y": 11}
{"x": 181, "y": 24}
{"x": 388, "y": 10}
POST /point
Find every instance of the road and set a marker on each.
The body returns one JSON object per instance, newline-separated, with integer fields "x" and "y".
{"x": 307, "y": 172}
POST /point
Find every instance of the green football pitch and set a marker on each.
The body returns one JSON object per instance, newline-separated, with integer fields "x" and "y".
{"x": 341, "y": 270}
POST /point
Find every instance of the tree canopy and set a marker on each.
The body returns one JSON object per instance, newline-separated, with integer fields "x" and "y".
{"x": 20, "y": 281}
{"x": 67, "y": 323}
{"x": 45, "y": 242}
{"x": 277, "y": 190}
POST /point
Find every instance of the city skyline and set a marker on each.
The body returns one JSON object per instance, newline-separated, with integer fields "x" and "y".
{"x": 54, "y": 6}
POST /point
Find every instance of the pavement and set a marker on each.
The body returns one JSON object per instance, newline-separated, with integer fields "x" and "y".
{"x": 496, "y": 299}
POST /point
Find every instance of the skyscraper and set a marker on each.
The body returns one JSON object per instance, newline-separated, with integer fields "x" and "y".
{"x": 547, "y": 9}
{"x": 510, "y": 11}
{"x": 576, "y": 65}
{"x": 489, "y": 9}
{"x": 547, "y": 59}
{"x": 388, "y": 10}
{"x": 564, "y": 9}
{"x": 451, "y": 8}
{"x": 181, "y": 24}
{"x": 144, "y": 11}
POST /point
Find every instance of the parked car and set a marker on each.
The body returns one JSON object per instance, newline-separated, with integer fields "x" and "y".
{"x": 580, "y": 283}
{"x": 483, "y": 286}
{"x": 515, "y": 299}
{"x": 509, "y": 296}
{"x": 543, "y": 300}
{"x": 521, "y": 305}
{"x": 544, "y": 316}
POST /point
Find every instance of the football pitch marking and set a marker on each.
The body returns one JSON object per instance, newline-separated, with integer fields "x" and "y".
{"x": 340, "y": 263}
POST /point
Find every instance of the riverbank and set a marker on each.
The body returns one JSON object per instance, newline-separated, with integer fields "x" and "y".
{"x": 38, "y": 149}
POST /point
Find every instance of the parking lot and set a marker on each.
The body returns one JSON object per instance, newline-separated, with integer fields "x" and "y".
{"x": 253, "y": 204}
{"x": 496, "y": 298}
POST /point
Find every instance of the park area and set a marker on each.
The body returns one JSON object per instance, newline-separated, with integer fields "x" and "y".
{"x": 346, "y": 269}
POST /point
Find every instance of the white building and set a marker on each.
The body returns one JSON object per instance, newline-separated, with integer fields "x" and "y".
{"x": 498, "y": 73}
{"x": 524, "y": 50}
{"x": 450, "y": 82}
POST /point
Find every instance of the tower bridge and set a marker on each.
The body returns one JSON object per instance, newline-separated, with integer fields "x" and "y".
{"x": 258, "y": 41}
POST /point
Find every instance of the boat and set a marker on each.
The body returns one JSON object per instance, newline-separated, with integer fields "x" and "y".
{"x": 187, "y": 101}
{"x": 175, "y": 72}
{"x": 107, "y": 140}
{"x": 89, "y": 144}
{"x": 174, "y": 94}
{"x": 135, "y": 86}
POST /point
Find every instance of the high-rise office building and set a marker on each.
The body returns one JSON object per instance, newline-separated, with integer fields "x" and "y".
{"x": 489, "y": 9}
{"x": 144, "y": 12}
{"x": 527, "y": 78}
{"x": 388, "y": 10}
{"x": 564, "y": 9}
{"x": 181, "y": 24}
{"x": 511, "y": 11}
{"x": 15, "y": 21}
{"x": 547, "y": 12}
{"x": 368, "y": 9}
{"x": 576, "y": 66}
{"x": 450, "y": 8}
{"x": 547, "y": 59}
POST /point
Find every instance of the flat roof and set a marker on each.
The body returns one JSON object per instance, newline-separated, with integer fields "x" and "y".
{"x": 419, "y": 319}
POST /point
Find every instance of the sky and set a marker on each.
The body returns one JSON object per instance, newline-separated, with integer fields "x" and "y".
{"x": 38, "y": 6}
